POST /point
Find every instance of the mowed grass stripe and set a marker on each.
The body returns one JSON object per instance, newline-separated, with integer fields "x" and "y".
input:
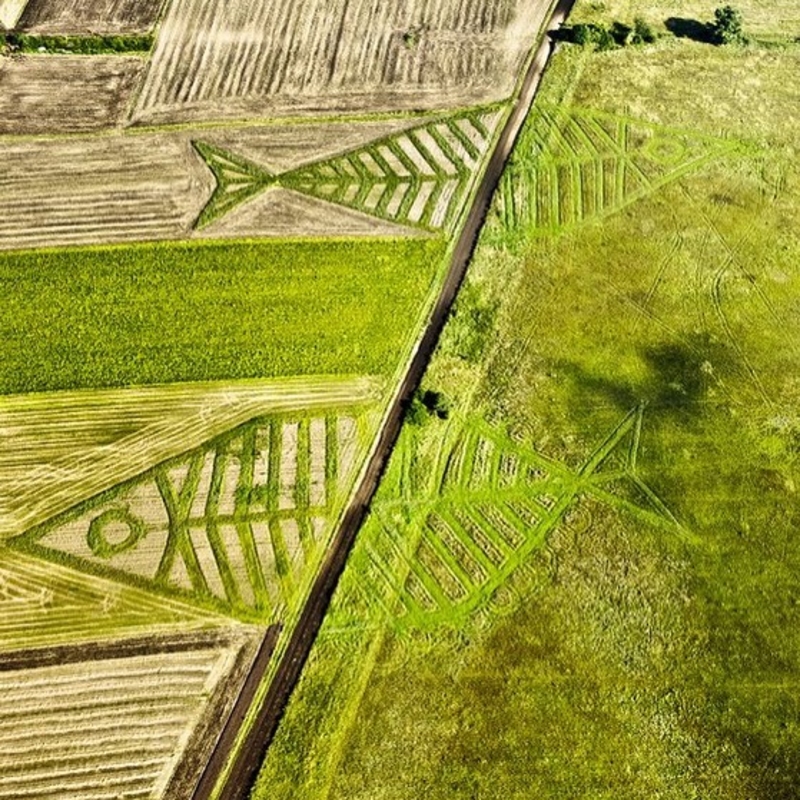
{"x": 24, "y": 738}
{"x": 48, "y": 605}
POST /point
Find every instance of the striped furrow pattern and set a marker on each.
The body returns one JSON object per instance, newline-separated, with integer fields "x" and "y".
{"x": 458, "y": 553}
{"x": 470, "y": 520}
{"x": 45, "y": 605}
{"x": 63, "y": 447}
{"x": 98, "y": 16}
{"x": 238, "y": 523}
{"x": 317, "y": 53}
{"x": 418, "y": 177}
{"x": 102, "y": 730}
{"x": 150, "y": 186}
{"x": 66, "y": 93}
{"x": 115, "y": 188}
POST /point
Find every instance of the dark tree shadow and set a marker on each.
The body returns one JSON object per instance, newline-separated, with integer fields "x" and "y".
{"x": 690, "y": 29}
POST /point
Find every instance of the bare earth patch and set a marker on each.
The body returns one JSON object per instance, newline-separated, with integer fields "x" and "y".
{"x": 65, "y": 94}
{"x": 97, "y": 16}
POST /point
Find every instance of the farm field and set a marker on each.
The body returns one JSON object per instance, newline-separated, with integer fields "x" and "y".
{"x": 46, "y": 605}
{"x": 114, "y": 721}
{"x": 582, "y": 582}
{"x": 98, "y": 16}
{"x": 211, "y": 297}
{"x": 69, "y": 445}
{"x": 390, "y": 177}
{"x": 65, "y": 94}
{"x": 211, "y": 61}
{"x": 204, "y": 312}
{"x": 773, "y": 22}
{"x": 238, "y": 521}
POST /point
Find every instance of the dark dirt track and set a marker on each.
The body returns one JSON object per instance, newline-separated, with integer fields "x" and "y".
{"x": 251, "y": 755}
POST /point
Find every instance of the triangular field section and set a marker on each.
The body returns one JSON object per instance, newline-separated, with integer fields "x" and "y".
{"x": 132, "y": 719}
{"x": 238, "y": 179}
{"x": 418, "y": 177}
{"x": 47, "y": 605}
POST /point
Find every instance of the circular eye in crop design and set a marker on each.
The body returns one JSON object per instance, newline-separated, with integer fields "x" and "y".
{"x": 114, "y": 531}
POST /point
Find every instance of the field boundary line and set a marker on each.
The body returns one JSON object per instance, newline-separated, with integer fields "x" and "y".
{"x": 180, "y": 642}
{"x": 238, "y": 713}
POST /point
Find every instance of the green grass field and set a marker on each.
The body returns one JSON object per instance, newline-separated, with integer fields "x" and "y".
{"x": 94, "y": 317}
{"x": 623, "y": 451}
{"x": 775, "y": 21}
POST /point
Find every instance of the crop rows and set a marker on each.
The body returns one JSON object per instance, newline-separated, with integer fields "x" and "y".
{"x": 417, "y": 177}
{"x": 573, "y": 165}
{"x": 64, "y": 94}
{"x": 104, "y": 729}
{"x": 64, "y": 192}
{"x": 153, "y": 186}
{"x": 239, "y": 522}
{"x": 78, "y": 16}
{"x": 218, "y": 58}
{"x": 65, "y": 447}
{"x": 45, "y": 605}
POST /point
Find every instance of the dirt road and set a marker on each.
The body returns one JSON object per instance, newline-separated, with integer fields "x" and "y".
{"x": 251, "y": 755}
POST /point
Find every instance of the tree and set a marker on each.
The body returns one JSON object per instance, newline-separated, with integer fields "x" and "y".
{"x": 588, "y": 33}
{"x": 425, "y": 405}
{"x": 727, "y": 26}
{"x": 642, "y": 32}
{"x": 620, "y": 33}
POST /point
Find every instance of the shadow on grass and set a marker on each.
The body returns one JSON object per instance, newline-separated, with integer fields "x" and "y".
{"x": 691, "y": 29}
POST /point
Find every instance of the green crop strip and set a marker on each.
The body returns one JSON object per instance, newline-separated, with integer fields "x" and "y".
{"x": 93, "y": 317}
{"x": 88, "y": 45}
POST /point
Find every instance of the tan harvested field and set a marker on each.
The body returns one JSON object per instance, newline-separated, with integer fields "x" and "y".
{"x": 10, "y": 11}
{"x": 280, "y": 212}
{"x": 281, "y": 148}
{"x": 95, "y": 16}
{"x": 216, "y": 59}
{"x": 103, "y": 189}
{"x": 246, "y": 530}
{"x": 152, "y": 186}
{"x": 46, "y": 605}
{"x": 65, "y": 94}
{"x": 118, "y": 725}
{"x": 63, "y": 447}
